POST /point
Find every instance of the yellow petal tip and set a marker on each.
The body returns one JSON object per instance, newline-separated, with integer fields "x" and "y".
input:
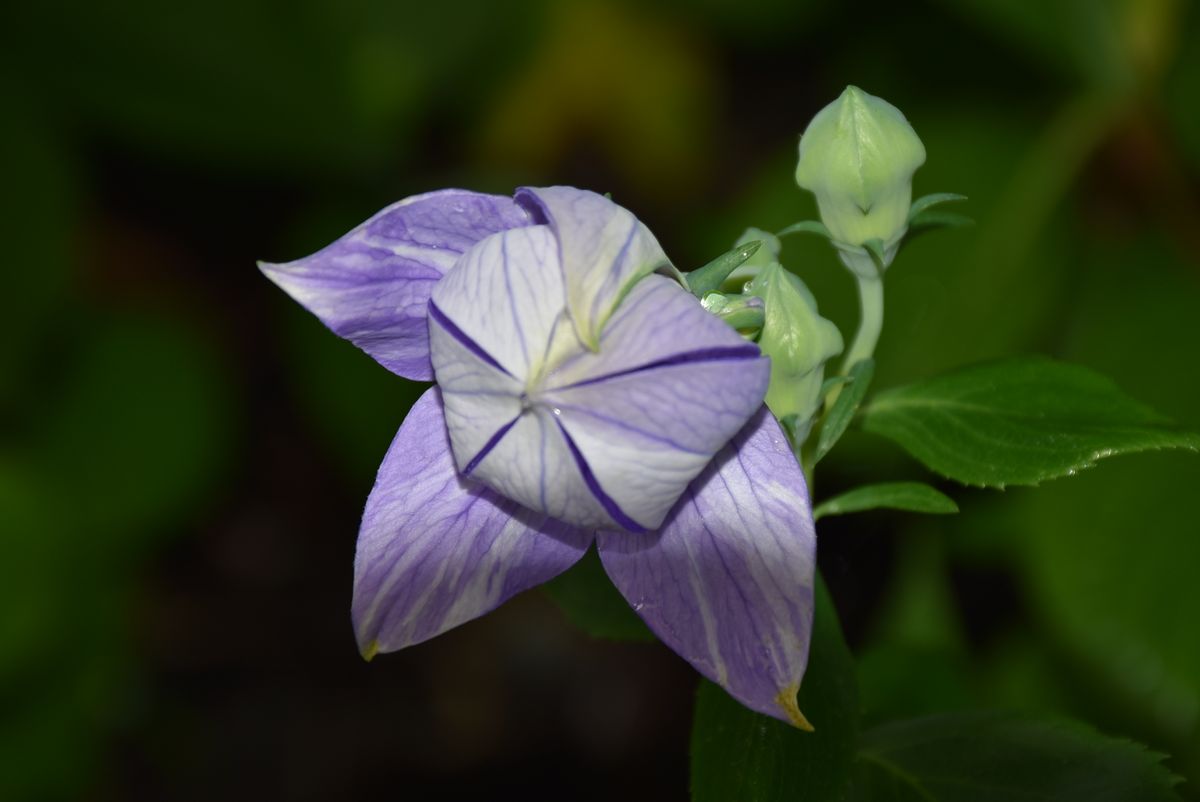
{"x": 370, "y": 650}
{"x": 787, "y": 700}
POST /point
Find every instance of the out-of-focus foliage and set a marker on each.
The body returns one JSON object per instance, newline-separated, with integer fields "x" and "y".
{"x": 994, "y": 757}
{"x": 149, "y": 377}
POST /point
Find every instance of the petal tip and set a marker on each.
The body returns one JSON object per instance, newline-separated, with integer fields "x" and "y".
{"x": 787, "y": 700}
{"x": 370, "y": 649}
{"x": 276, "y": 273}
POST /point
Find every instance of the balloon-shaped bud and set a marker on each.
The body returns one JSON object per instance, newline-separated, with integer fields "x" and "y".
{"x": 799, "y": 342}
{"x": 858, "y": 156}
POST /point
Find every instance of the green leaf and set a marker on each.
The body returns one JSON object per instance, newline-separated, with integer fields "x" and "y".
{"x": 1109, "y": 558}
{"x": 910, "y": 496}
{"x": 709, "y": 278}
{"x": 874, "y": 248}
{"x": 741, "y": 755}
{"x": 592, "y": 602}
{"x": 830, "y": 383}
{"x": 935, "y": 219}
{"x": 929, "y": 201}
{"x": 805, "y": 227}
{"x": 998, "y": 757}
{"x": 1018, "y": 421}
{"x": 843, "y": 409}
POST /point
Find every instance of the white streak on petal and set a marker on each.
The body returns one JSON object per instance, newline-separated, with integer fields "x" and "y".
{"x": 534, "y": 466}
{"x": 658, "y": 320}
{"x": 647, "y": 435}
{"x": 669, "y": 387}
{"x": 727, "y": 582}
{"x": 505, "y": 294}
{"x": 372, "y": 285}
{"x": 604, "y": 249}
{"x": 479, "y": 399}
{"x": 436, "y": 550}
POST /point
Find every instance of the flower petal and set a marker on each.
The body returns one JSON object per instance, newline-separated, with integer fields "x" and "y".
{"x": 727, "y": 582}
{"x": 505, "y": 297}
{"x": 481, "y": 399}
{"x": 603, "y": 247}
{"x": 658, "y": 323}
{"x": 535, "y": 463}
{"x": 668, "y": 388}
{"x": 493, "y": 320}
{"x": 436, "y": 550}
{"x": 372, "y": 285}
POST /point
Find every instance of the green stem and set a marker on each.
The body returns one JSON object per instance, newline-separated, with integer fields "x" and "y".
{"x": 870, "y": 323}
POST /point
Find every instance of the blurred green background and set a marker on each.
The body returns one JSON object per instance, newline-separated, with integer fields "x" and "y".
{"x": 185, "y": 452}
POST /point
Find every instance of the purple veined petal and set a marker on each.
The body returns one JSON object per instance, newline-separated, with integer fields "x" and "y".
{"x": 503, "y": 299}
{"x": 491, "y": 321}
{"x": 727, "y": 582}
{"x": 481, "y": 400}
{"x": 495, "y": 318}
{"x": 536, "y": 464}
{"x": 372, "y": 285}
{"x": 436, "y": 550}
{"x": 669, "y": 387}
{"x": 658, "y": 323}
{"x": 604, "y": 249}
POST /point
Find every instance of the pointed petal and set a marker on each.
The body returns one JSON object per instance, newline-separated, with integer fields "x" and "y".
{"x": 435, "y": 550}
{"x": 490, "y": 322}
{"x": 372, "y": 285}
{"x": 481, "y": 399}
{"x": 727, "y": 582}
{"x": 604, "y": 250}
{"x": 536, "y": 465}
{"x": 659, "y": 322}
{"x": 505, "y": 296}
{"x": 648, "y": 412}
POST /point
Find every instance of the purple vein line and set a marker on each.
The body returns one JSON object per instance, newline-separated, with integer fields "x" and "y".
{"x": 589, "y": 478}
{"x": 733, "y": 352}
{"x": 454, "y": 331}
{"x": 492, "y": 442}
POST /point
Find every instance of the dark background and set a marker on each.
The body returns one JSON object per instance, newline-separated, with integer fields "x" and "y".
{"x": 185, "y": 453}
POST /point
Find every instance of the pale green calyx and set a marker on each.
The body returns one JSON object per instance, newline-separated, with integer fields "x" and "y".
{"x": 799, "y": 342}
{"x": 858, "y": 156}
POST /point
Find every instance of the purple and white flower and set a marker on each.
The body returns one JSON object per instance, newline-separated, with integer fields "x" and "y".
{"x": 583, "y": 396}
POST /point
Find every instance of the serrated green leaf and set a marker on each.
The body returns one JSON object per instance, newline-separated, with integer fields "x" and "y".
{"x": 843, "y": 409}
{"x": 929, "y": 201}
{"x": 741, "y": 755}
{"x": 909, "y": 496}
{"x": 709, "y": 278}
{"x": 999, "y": 757}
{"x": 592, "y": 602}
{"x": 805, "y": 227}
{"x": 1018, "y": 421}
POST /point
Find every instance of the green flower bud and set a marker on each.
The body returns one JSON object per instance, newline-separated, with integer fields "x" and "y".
{"x": 799, "y": 342}
{"x": 858, "y": 156}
